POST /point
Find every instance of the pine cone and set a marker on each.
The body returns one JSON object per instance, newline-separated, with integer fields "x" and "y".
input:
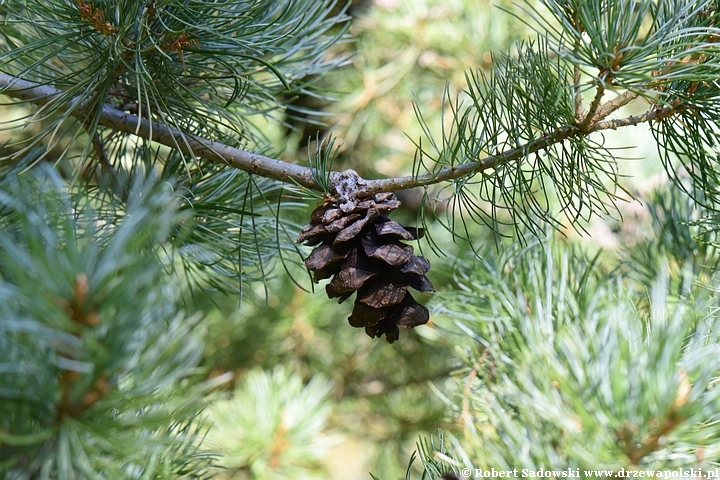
{"x": 360, "y": 247}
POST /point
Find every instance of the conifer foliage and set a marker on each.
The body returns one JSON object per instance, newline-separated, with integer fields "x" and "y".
{"x": 141, "y": 177}
{"x": 98, "y": 358}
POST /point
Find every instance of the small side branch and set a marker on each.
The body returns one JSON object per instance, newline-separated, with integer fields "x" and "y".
{"x": 105, "y": 163}
{"x": 616, "y": 103}
{"x": 452, "y": 173}
{"x": 636, "y": 452}
{"x": 591, "y": 116}
{"x": 634, "y": 120}
{"x": 577, "y": 94}
{"x": 577, "y": 73}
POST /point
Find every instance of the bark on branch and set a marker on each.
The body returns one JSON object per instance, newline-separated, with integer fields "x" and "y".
{"x": 291, "y": 173}
{"x": 187, "y": 143}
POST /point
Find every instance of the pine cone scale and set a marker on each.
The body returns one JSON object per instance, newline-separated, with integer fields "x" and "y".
{"x": 382, "y": 295}
{"x": 312, "y": 234}
{"x": 364, "y": 316}
{"x": 348, "y": 281}
{"x": 354, "y": 229}
{"x": 390, "y": 253}
{"x": 393, "y": 228}
{"x": 341, "y": 223}
{"x": 416, "y": 265}
{"x": 419, "y": 282}
{"x": 321, "y": 257}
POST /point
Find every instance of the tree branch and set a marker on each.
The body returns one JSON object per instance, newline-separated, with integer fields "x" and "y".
{"x": 99, "y": 147}
{"x": 590, "y": 117}
{"x": 618, "y": 102}
{"x": 192, "y": 145}
{"x": 577, "y": 94}
{"x": 290, "y": 173}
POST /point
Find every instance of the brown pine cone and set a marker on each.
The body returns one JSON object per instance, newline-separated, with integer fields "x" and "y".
{"x": 360, "y": 247}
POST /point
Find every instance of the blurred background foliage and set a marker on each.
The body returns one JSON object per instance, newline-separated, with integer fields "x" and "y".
{"x": 314, "y": 398}
{"x": 384, "y": 396}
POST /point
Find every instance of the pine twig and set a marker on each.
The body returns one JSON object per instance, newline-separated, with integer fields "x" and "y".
{"x": 577, "y": 94}
{"x": 591, "y": 117}
{"x": 187, "y": 143}
{"x": 291, "y": 173}
{"x": 577, "y": 74}
{"x": 616, "y": 103}
{"x": 99, "y": 148}
{"x": 636, "y": 453}
{"x": 633, "y": 120}
{"x": 651, "y": 443}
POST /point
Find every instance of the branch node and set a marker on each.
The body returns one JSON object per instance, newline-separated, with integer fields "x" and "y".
{"x": 349, "y": 186}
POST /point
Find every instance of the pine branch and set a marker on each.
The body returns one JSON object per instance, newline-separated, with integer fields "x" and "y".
{"x": 267, "y": 167}
{"x": 189, "y": 144}
{"x": 577, "y": 77}
{"x": 577, "y": 94}
{"x": 99, "y": 147}
{"x": 591, "y": 116}
{"x": 616, "y": 103}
